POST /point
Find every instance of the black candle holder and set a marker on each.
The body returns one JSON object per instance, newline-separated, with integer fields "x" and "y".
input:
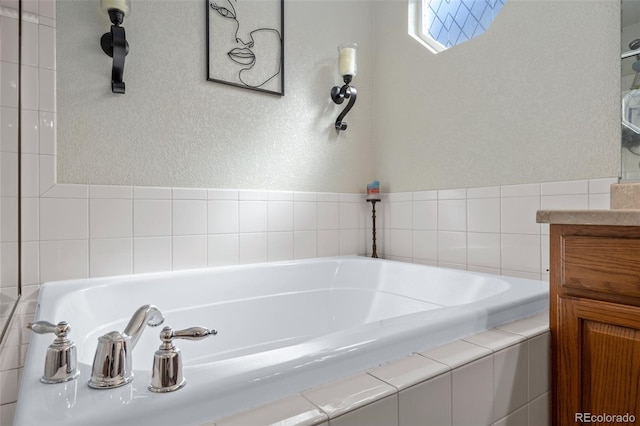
{"x": 373, "y": 202}
{"x": 339, "y": 94}
{"x": 114, "y": 44}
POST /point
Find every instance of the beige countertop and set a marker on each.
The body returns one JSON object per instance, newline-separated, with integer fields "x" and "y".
{"x": 614, "y": 217}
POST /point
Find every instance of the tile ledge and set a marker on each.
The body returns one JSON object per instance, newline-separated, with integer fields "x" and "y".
{"x": 379, "y": 389}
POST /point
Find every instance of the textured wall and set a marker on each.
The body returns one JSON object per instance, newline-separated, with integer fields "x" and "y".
{"x": 174, "y": 128}
{"x": 534, "y": 99}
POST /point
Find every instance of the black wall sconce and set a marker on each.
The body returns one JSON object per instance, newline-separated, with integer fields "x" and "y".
{"x": 348, "y": 67}
{"x": 114, "y": 43}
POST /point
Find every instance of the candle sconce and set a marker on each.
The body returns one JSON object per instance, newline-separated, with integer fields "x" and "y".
{"x": 348, "y": 68}
{"x": 114, "y": 43}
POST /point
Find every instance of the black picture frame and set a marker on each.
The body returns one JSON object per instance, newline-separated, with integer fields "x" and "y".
{"x": 245, "y": 44}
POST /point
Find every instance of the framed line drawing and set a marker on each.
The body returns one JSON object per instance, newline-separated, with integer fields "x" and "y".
{"x": 245, "y": 44}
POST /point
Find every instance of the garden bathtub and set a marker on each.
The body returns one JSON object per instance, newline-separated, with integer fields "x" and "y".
{"x": 282, "y": 328}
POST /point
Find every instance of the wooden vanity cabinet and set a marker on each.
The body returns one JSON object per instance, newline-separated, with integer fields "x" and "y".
{"x": 595, "y": 322}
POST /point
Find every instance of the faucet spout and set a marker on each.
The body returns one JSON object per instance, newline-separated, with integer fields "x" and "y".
{"x": 112, "y": 363}
{"x": 145, "y": 315}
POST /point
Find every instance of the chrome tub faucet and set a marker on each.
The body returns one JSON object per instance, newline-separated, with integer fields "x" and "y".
{"x": 112, "y": 364}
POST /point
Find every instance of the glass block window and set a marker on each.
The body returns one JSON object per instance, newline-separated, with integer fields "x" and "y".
{"x": 441, "y": 24}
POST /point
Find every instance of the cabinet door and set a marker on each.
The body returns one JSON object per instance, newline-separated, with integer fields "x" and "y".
{"x": 597, "y": 360}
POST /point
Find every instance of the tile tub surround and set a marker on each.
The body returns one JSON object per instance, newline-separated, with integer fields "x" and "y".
{"x": 489, "y": 229}
{"x": 493, "y": 378}
{"x": 79, "y": 231}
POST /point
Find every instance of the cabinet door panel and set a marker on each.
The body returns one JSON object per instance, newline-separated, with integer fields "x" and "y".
{"x": 597, "y": 366}
{"x": 610, "y": 368}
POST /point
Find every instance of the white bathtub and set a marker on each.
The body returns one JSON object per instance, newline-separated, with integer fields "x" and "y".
{"x": 282, "y": 328}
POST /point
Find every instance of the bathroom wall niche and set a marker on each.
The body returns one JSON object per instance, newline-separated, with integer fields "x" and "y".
{"x": 10, "y": 27}
{"x": 630, "y": 91}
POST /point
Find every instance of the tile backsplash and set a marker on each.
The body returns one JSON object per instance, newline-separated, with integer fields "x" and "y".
{"x": 124, "y": 230}
{"x": 82, "y": 231}
{"x": 489, "y": 229}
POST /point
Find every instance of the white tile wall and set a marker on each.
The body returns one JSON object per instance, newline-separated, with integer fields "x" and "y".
{"x": 253, "y": 247}
{"x": 539, "y": 359}
{"x": 222, "y": 249}
{"x": 29, "y": 88}
{"x": 29, "y": 137}
{"x": 540, "y": 411}
{"x": 280, "y": 216}
{"x": 280, "y": 246}
{"x": 381, "y": 412}
{"x": 110, "y": 256}
{"x": 222, "y": 216}
{"x": 9, "y": 84}
{"x": 189, "y": 251}
{"x": 472, "y": 393}
{"x": 8, "y": 174}
{"x": 8, "y": 129}
{"x": 151, "y": 218}
{"x": 64, "y": 260}
{"x": 518, "y": 215}
{"x": 519, "y": 417}
{"x": 488, "y": 229}
{"x": 452, "y": 215}
{"x": 8, "y": 219}
{"x": 253, "y": 216}
{"x": 483, "y": 249}
{"x": 305, "y": 216}
{"x": 64, "y": 219}
{"x": 452, "y": 247}
{"x": 428, "y": 400}
{"x": 305, "y": 244}
{"x": 510, "y": 381}
{"x": 110, "y": 218}
{"x": 291, "y": 410}
{"x": 425, "y": 214}
{"x": 47, "y": 133}
{"x": 328, "y": 213}
{"x": 189, "y": 217}
{"x": 152, "y": 254}
{"x": 483, "y": 215}
{"x": 9, "y": 41}
{"x": 30, "y": 43}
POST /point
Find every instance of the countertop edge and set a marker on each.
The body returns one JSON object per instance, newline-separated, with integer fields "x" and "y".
{"x": 613, "y": 217}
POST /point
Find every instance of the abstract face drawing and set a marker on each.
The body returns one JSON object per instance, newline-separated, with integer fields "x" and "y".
{"x": 245, "y": 48}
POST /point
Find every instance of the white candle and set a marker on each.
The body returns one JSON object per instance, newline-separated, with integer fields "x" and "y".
{"x": 347, "y": 59}
{"x": 121, "y": 5}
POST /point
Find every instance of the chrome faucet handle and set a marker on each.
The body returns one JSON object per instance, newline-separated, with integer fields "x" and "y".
{"x": 193, "y": 333}
{"x": 61, "y": 362}
{"x": 166, "y": 375}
